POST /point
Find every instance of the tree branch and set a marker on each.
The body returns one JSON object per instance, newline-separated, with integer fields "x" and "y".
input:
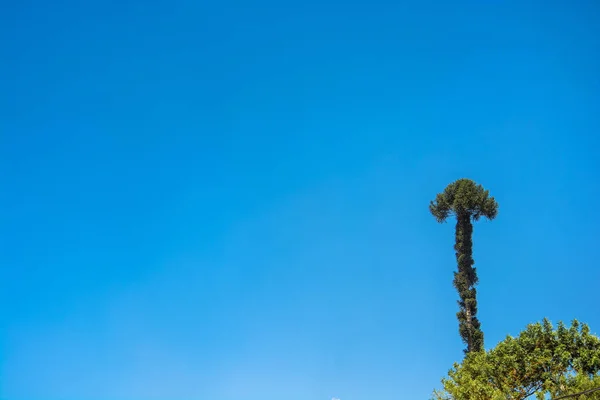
{"x": 577, "y": 394}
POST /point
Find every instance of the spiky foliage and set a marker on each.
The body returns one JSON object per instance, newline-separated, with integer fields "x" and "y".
{"x": 467, "y": 201}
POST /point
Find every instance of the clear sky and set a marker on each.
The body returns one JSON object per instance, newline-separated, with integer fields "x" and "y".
{"x": 229, "y": 200}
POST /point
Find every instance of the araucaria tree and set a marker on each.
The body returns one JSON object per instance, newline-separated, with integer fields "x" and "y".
{"x": 467, "y": 201}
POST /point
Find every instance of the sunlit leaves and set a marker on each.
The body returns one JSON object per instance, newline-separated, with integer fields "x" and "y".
{"x": 540, "y": 361}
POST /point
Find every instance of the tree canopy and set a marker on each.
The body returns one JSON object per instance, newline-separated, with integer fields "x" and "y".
{"x": 464, "y": 197}
{"x": 541, "y": 361}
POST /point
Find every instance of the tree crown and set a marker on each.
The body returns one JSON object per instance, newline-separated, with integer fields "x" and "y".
{"x": 540, "y": 361}
{"x": 464, "y": 197}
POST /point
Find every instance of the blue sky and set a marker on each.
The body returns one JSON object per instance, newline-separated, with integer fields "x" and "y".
{"x": 228, "y": 200}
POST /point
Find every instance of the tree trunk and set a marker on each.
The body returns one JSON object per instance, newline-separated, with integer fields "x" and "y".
{"x": 465, "y": 280}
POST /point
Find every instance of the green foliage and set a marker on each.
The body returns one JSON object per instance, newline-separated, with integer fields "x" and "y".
{"x": 464, "y": 197}
{"x": 468, "y": 202}
{"x": 541, "y": 361}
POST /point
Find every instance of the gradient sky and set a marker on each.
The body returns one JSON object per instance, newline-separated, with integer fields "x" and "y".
{"x": 228, "y": 200}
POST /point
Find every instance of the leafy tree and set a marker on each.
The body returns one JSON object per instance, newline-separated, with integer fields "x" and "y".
{"x": 541, "y": 362}
{"x": 468, "y": 202}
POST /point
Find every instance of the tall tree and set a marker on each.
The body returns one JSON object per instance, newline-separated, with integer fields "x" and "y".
{"x": 467, "y": 201}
